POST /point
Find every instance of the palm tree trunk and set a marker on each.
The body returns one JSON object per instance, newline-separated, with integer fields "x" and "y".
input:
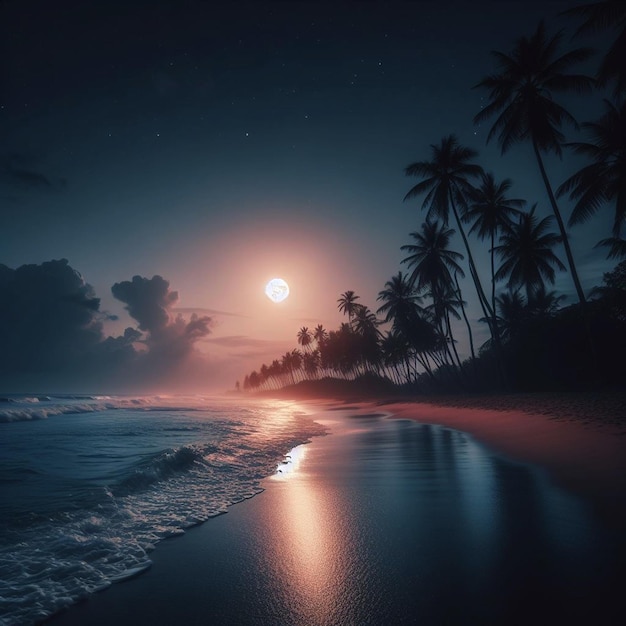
{"x": 469, "y": 327}
{"x": 484, "y": 303}
{"x": 570, "y": 258}
{"x": 559, "y": 220}
{"x": 493, "y": 278}
{"x": 488, "y": 311}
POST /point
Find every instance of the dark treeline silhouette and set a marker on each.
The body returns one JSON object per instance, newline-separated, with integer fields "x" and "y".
{"x": 535, "y": 342}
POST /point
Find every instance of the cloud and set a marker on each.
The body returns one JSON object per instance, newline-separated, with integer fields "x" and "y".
{"x": 209, "y": 311}
{"x": 48, "y": 316}
{"x": 147, "y": 301}
{"x": 244, "y": 347}
{"x": 150, "y": 302}
{"x": 241, "y": 341}
{"x": 308, "y": 320}
{"x": 51, "y": 333}
{"x": 16, "y": 171}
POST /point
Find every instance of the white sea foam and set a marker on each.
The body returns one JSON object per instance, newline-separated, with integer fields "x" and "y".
{"x": 29, "y": 408}
{"x": 86, "y": 498}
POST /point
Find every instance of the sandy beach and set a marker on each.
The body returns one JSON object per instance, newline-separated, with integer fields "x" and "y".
{"x": 393, "y": 521}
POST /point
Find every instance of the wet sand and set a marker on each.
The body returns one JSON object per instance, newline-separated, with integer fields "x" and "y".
{"x": 579, "y": 439}
{"x": 388, "y": 521}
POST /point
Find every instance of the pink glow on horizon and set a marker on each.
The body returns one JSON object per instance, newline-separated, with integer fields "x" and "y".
{"x": 223, "y": 275}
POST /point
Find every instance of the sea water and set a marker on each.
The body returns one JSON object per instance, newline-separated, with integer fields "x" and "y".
{"x": 90, "y": 484}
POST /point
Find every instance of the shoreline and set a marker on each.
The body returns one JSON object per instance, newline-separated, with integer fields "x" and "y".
{"x": 602, "y": 409}
{"x": 583, "y": 456}
{"x": 578, "y": 438}
{"x": 276, "y": 554}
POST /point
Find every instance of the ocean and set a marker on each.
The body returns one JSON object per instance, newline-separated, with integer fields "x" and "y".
{"x": 89, "y": 485}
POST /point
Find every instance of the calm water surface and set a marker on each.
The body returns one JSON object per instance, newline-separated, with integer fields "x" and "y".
{"x": 393, "y": 522}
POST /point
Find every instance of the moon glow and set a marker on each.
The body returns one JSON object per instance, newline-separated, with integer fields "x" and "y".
{"x": 277, "y": 290}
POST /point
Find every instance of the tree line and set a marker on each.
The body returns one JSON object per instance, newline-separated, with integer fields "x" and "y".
{"x": 534, "y": 341}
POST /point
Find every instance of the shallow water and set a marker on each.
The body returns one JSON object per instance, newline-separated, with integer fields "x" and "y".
{"x": 421, "y": 524}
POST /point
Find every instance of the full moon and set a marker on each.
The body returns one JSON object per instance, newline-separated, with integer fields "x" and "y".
{"x": 277, "y": 290}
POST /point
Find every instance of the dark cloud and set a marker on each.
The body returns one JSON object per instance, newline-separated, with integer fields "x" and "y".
{"x": 16, "y": 171}
{"x": 48, "y": 317}
{"x": 150, "y": 302}
{"x": 51, "y": 332}
{"x": 147, "y": 301}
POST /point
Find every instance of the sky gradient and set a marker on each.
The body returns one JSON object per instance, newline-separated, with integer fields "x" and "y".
{"x": 220, "y": 146}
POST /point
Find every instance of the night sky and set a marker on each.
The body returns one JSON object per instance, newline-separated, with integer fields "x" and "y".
{"x": 220, "y": 146}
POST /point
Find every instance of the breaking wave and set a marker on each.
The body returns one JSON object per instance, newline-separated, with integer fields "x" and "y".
{"x": 84, "y": 499}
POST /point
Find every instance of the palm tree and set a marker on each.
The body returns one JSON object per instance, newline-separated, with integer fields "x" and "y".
{"x": 445, "y": 181}
{"x": 411, "y": 331}
{"x": 348, "y": 303}
{"x": 365, "y": 326}
{"x": 527, "y": 257}
{"x": 601, "y": 16}
{"x": 296, "y": 360}
{"x": 462, "y": 304}
{"x": 490, "y": 210}
{"x": 616, "y": 245}
{"x": 305, "y": 338}
{"x": 395, "y": 352}
{"x": 545, "y": 302}
{"x": 511, "y": 313}
{"x": 434, "y": 265}
{"x": 311, "y": 363}
{"x": 444, "y": 306}
{"x": 340, "y": 351}
{"x": 432, "y": 261}
{"x": 399, "y": 300}
{"x": 525, "y": 110}
{"x": 287, "y": 367}
{"x": 320, "y": 334}
{"x": 604, "y": 180}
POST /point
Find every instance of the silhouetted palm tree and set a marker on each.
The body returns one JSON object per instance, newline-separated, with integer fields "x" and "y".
{"x": 616, "y": 245}
{"x": 365, "y": 326}
{"x": 411, "y": 330}
{"x": 296, "y": 360}
{"x": 490, "y": 210}
{"x": 434, "y": 265}
{"x": 287, "y": 366}
{"x": 305, "y": 338}
{"x": 399, "y": 300}
{"x": 525, "y": 110}
{"x": 544, "y": 302}
{"x": 604, "y": 180}
{"x": 340, "y": 351}
{"x": 395, "y": 355}
{"x": 320, "y": 334}
{"x": 430, "y": 257}
{"x": 601, "y": 16}
{"x": 526, "y": 252}
{"x": 446, "y": 184}
{"x": 511, "y": 313}
{"x": 348, "y": 303}
{"x": 444, "y": 305}
{"x": 311, "y": 363}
